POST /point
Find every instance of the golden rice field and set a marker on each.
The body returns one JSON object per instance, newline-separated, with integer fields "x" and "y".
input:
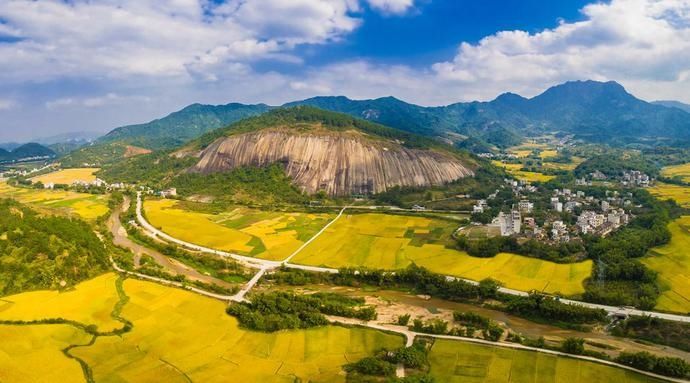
{"x": 68, "y": 176}
{"x": 177, "y": 336}
{"x": 393, "y": 241}
{"x": 548, "y": 153}
{"x": 86, "y": 206}
{"x": 514, "y": 169}
{"x": 263, "y": 234}
{"x": 33, "y": 353}
{"x": 460, "y": 362}
{"x": 672, "y": 262}
{"x": 682, "y": 171}
{"x": 680, "y": 194}
{"x": 90, "y": 302}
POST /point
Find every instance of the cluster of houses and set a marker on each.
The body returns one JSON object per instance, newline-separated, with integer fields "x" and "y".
{"x": 629, "y": 178}
{"x": 596, "y": 216}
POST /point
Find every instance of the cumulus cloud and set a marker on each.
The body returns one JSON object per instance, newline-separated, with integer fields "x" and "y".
{"x": 119, "y": 38}
{"x": 391, "y": 6}
{"x": 634, "y": 41}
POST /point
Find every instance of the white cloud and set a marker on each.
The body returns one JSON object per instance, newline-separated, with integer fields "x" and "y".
{"x": 120, "y": 38}
{"x": 95, "y": 101}
{"x": 6, "y": 104}
{"x": 391, "y": 6}
{"x": 634, "y": 41}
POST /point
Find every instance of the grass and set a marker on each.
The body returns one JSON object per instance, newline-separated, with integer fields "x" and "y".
{"x": 453, "y": 361}
{"x": 672, "y": 262}
{"x": 89, "y": 302}
{"x": 682, "y": 171}
{"x": 680, "y": 194}
{"x": 86, "y": 206}
{"x": 259, "y": 233}
{"x": 68, "y": 176}
{"x": 33, "y": 353}
{"x": 395, "y": 241}
{"x": 181, "y": 336}
{"x": 514, "y": 169}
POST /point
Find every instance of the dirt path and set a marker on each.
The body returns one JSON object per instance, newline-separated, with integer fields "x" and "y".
{"x": 120, "y": 239}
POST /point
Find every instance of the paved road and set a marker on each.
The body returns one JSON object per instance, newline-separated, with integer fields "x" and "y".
{"x": 305, "y": 244}
{"x": 121, "y": 239}
{"x": 411, "y": 335}
{"x": 273, "y": 264}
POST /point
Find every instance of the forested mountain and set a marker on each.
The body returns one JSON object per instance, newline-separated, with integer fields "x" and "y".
{"x": 182, "y": 126}
{"x": 25, "y": 152}
{"x": 600, "y": 111}
{"x": 320, "y": 151}
{"x": 673, "y": 104}
{"x": 591, "y": 110}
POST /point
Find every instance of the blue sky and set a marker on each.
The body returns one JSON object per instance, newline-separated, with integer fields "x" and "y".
{"x": 91, "y": 66}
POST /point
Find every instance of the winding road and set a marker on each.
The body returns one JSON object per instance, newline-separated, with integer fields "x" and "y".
{"x": 268, "y": 265}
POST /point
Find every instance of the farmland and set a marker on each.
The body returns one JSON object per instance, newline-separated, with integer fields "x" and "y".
{"x": 453, "y": 361}
{"x": 164, "y": 345}
{"x": 90, "y": 302}
{"x": 680, "y": 194}
{"x": 395, "y": 241}
{"x": 67, "y": 176}
{"x": 514, "y": 169}
{"x": 672, "y": 262}
{"x": 86, "y": 206}
{"x": 33, "y": 353}
{"x": 259, "y": 233}
{"x": 681, "y": 171}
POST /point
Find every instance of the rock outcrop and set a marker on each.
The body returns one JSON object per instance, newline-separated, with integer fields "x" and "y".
{"x": 339, "y": 163}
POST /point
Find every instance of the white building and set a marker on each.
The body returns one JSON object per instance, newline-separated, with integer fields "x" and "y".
{"x": 510, "y": 223}
{"x": 525, "y": 206}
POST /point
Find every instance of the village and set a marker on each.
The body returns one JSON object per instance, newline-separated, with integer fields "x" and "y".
{"x": 566, "y": 216}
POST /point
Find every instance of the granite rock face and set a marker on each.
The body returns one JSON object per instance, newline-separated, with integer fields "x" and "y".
{"x": 337, "y": 163}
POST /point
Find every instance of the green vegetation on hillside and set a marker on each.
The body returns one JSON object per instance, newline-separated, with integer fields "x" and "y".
{"x": 45, "y": 252}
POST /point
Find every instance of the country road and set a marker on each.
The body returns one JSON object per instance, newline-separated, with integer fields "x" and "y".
{"x": 273, "y": 264}
{"x": 121, "y": 239}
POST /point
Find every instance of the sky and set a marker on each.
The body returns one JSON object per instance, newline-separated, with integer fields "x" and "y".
{"x": 93, "y": 65}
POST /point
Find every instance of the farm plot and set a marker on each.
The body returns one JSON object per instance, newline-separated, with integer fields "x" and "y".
{"x": 383, "y": 241}
{"x": 672, "y": 262}
{"x": 86, "y": 206}
{"x": 681, "y": 171}
{"x": 680, "y": 194}
{"x": 514, "y": 169}
{"x": 453, "y": 361}
{"x": 68, "y": 176}
{"x": 263, "y": 234}
{"x": 181, "y": 336}
{"x": 33, "y": 353}
{"x": 90, "y": 303}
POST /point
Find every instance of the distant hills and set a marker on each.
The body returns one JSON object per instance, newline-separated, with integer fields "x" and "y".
{"x": 673, "y": 104}
{"x": 590, "y": 110}
{"x": 181, "y": 126}
{"x": 26, "y": 152}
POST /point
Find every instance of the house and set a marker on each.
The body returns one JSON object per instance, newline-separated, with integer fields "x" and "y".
{"x": 172, "y": 192}
{"x": 509, "y": 223}
{"x": 49, "y": 185}
{"x": 525, "y": 206}
{"x": 605, "y": 206}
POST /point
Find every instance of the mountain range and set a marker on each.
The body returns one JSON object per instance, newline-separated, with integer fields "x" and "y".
{"x": 25, "y": 152}
{"x": 590, "y": 110}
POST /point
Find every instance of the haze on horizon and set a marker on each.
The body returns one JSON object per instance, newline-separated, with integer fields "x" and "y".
{"x": 142, "y": 59}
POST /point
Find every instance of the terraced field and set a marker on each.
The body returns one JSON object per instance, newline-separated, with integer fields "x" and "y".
{"x": 68, "y": 176}
{"x": 672, "y": 262}
{"x": 176, "y": 336}
{"x": 86, "y": 206}
{"x": 682, "y": 171}
{"x": 453, "y": 361}
{"x": 395, "y": 241}
{"x": 680, "y": 194}
{"x": 263, "y": 234}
